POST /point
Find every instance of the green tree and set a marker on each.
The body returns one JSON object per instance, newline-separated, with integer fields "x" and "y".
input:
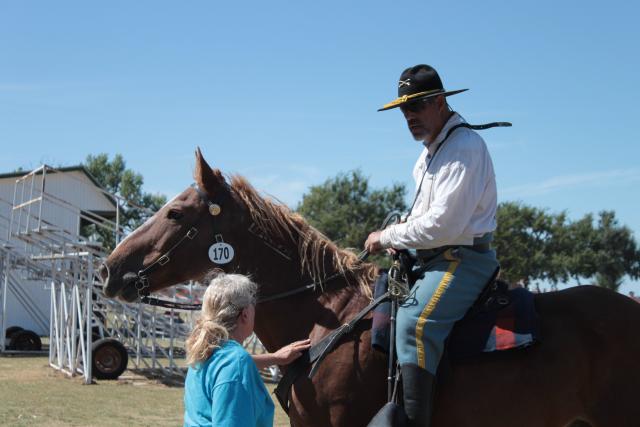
{"x": 579, "y": 251}
{"x": 617, "y": 252}
{"x": 346, "y": 209}
{"x": 521, "y": 242}
{"x": 534, "y": 245}
{"x": 114, "y": 176}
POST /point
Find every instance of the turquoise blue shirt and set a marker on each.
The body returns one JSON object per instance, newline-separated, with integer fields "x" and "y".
{"x": 226, "y": 390}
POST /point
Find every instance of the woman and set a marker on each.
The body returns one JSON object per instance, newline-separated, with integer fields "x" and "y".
{"x": 223, "y": 386}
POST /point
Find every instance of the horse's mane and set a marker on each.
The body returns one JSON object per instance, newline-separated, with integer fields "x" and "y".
{"x": 280, "y": 222}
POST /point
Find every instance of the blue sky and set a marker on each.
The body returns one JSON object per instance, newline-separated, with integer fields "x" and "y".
{"x": 286, "y": 93}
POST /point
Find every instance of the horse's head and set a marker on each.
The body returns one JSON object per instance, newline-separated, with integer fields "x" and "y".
{"x": 182, "y": 241}
{"x": 228, "y": 226}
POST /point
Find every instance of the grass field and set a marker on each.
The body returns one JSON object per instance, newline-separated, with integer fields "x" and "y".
{"x": 32, "y": 393}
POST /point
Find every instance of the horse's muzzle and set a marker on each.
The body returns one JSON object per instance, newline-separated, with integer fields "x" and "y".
{"x": 103, "y": 272}
{"x": 114, "y": 286}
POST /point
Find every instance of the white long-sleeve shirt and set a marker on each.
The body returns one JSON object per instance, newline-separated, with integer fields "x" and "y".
{"x": 458, "y": 198}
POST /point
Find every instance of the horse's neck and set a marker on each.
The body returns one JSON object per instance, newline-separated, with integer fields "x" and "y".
{"x": 295, "y": 317}
{"x": 312, "y": 313}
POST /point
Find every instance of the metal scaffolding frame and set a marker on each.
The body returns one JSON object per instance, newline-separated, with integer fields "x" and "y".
{"x": 80, "y": 313}
{"x": 154, "y": 337}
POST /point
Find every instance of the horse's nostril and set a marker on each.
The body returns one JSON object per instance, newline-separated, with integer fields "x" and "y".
{"x": 103, "y": 272}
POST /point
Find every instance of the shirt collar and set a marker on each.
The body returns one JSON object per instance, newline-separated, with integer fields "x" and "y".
{"x": 455, "y": 119}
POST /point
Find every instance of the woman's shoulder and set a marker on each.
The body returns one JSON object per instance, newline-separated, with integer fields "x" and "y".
{"x": 233, "y": 349}
{"x": 230, "y": 363}
{"x": 230, "y": 356}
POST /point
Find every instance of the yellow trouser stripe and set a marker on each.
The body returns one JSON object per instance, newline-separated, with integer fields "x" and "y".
{"x": 428, "y": 309}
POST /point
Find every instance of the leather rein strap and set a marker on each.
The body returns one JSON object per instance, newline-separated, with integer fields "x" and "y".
{"x": 316, "y": 354}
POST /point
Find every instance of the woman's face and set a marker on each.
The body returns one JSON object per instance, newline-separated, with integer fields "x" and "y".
{"x": 246, "y": 321}
{"x": 251, "y": 317}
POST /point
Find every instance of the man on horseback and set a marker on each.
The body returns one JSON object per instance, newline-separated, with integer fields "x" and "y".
{"x": 449, "y": 225}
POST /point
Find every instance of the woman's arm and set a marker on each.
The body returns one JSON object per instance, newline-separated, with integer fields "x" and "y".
{"x": 284, "y": 356}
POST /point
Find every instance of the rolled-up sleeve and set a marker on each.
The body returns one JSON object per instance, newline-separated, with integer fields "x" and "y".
{"x": 457, "y": 189}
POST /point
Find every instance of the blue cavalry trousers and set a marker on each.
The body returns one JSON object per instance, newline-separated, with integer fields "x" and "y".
{"x": 452, "y": 283}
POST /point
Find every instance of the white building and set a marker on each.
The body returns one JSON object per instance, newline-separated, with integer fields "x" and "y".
{"x": 70, "y": 195}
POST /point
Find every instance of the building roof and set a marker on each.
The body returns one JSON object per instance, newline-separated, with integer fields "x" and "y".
{"x": 78, "y": 168}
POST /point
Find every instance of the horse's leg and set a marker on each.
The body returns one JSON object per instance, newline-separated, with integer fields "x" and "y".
{"x": 347, "y": 390}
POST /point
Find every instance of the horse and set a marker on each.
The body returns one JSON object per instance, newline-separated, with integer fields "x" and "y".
{"x": 583, "y": 372}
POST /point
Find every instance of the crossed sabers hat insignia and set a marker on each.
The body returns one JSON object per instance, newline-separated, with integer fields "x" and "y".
{"x": 418, "y": 82}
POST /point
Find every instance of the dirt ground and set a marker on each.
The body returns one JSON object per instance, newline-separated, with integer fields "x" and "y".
{"x": 32, "y": 393}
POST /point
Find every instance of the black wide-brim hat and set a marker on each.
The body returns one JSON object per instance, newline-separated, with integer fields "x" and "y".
{"x": 417, "y": 82}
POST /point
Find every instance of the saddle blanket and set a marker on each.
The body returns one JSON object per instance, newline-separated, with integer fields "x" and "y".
{"x": 509, "y": 327}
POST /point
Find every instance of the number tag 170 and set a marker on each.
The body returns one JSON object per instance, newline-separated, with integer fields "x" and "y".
{"x": 221, "y": 253}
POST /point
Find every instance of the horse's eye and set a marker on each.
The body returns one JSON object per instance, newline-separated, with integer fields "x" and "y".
{"x": 174, "y": 214}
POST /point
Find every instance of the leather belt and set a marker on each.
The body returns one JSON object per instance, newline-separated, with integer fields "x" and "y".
{"x": 426, "y": 254}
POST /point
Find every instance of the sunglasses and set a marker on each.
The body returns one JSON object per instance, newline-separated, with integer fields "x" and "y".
{"x": 415, "y": 106}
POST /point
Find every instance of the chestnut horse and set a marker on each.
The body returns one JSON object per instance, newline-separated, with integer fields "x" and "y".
{"x": 584, "y": 372}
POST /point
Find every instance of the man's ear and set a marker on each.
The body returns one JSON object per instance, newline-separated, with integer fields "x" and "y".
{"x": 209, "y": 180}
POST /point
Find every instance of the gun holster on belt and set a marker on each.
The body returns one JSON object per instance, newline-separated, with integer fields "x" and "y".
{"x": 401, "y": 277}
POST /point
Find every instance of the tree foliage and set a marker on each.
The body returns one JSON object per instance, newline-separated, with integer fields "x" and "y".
{"x": 535, "y": 245}
{"x": 532, "y": 244}
{"x": 114, "y": 176}
{"x": 521, "y": 242}
{"x": 346, "y": 209}
{"x": 617, "y": 252}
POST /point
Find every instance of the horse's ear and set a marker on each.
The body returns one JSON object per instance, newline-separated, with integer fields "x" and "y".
{"x": 210, "y": 180}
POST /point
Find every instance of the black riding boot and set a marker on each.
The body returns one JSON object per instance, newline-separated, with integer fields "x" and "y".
{"x": 418, "y": 386}
{"x": 391, "y": 415}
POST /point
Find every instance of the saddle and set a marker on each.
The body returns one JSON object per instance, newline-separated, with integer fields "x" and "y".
{"x": 499, "y": 319}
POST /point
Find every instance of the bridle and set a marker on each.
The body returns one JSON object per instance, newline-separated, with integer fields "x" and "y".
{"x": 142, "y": 279}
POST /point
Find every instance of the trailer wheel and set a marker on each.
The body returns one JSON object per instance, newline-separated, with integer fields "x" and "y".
{"x": 25, "y": 340}
{"x": 110, "y": 359}
{"x": 12, "y": 330}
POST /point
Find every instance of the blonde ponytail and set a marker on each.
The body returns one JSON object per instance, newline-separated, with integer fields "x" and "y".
{"x": 226, "y": 296}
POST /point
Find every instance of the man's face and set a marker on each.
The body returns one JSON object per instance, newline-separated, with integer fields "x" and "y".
{"x": 423, "y": 118}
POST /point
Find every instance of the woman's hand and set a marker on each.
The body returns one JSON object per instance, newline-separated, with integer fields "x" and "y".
{"x": 291, "y": 352}
{"x": 284, "y": 356}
